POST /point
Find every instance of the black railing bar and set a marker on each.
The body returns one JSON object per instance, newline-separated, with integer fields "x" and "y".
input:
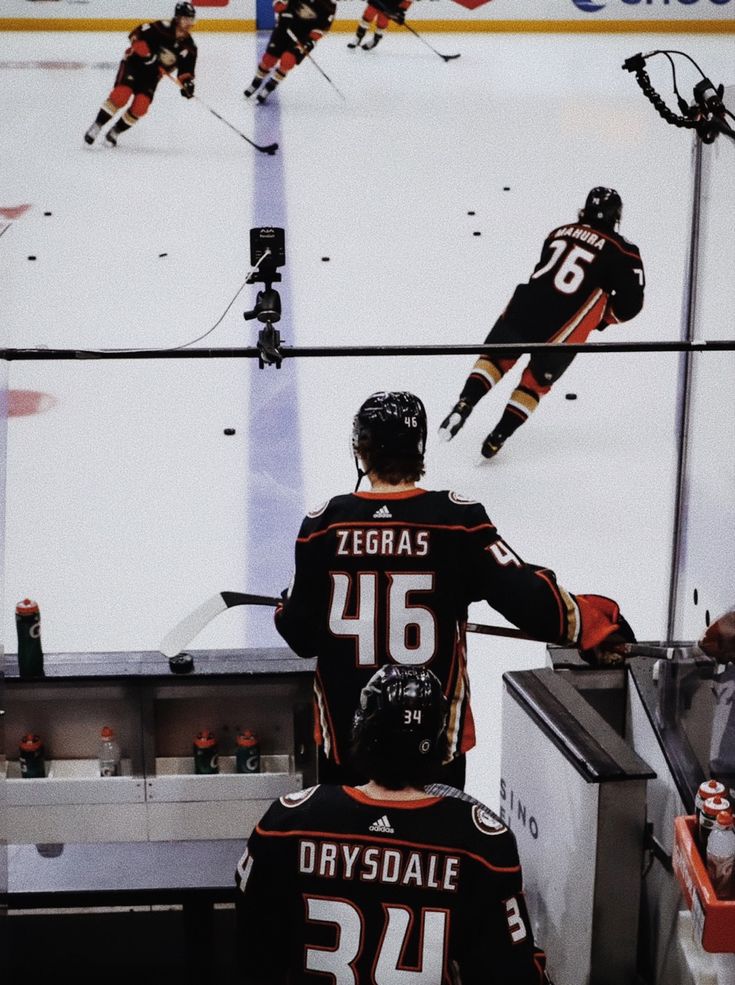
{"x": 293, "y": 352}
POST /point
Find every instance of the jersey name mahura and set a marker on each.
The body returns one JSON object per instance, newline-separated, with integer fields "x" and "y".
{"x": 396, "y": 866}
{"x": 587, "y": 236}
{"x": 390, "y": 541}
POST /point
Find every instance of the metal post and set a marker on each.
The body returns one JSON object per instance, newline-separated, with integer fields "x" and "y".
{"x": 681, "y": 504}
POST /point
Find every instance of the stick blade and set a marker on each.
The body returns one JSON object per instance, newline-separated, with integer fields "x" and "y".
{"x": 450, "y": 58}
{"x": 184, "y": 632}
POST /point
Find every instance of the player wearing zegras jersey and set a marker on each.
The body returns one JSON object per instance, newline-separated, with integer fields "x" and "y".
{"x": 587, "y": 278}
{"x": 389, "y": 881}
{"x": 386, "y": 576}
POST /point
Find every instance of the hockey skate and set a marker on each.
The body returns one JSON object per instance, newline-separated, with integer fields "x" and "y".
{"x": 491, "y": 446}
{"x": 372, "y": 44}
{"x": 111, "y": 138}
{"x": 91, "y": 135}
{"x": 454, "y": 421}
{"x": 359, "y": 35}
{"x": 267, "y": 90}
{"x": 252, "y": 88}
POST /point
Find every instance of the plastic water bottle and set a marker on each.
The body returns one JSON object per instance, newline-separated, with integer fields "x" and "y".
{"x": 721, "y": 856}
{"x": 109, "y": 753}
{"x": 30, "y": 653}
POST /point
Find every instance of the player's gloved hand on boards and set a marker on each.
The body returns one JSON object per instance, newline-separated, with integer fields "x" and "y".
{"x": 604, "y": 631}
{"x": 187, "y": 87}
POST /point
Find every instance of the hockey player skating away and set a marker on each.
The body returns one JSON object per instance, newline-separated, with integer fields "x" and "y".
{"x": 386, "y": 576}
{"x": 390, "y": 881}
{"x": 376, "y": 15}
{"x": 300, "y": 24}
{"x": 588, "y": 277}
{"x": 155, "y": 48}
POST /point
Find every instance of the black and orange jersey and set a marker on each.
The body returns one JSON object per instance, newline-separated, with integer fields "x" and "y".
{"x": 156, "y": 44}
{"x": 584, "y": 279}
{"x": 308, "y": 18}
{"x": 387, "y": 578}
{"x": 338, "y": 887}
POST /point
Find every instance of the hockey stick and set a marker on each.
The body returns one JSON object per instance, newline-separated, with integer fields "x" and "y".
{"x": 263, "y": 148}
{"x": 720, "y": 647}
{"x": 447, "y": 58}
{"x": 184, "y": 632}
{"x": 316, "y": 66}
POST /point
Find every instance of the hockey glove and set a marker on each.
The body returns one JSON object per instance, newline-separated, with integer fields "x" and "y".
{"x": 187, "y": 87}
{"x": 604, "y": 631}
{"x": 399, "y": 17}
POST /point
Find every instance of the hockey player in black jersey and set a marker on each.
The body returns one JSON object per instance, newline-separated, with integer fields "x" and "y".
{"x": 386, "y": 577}
{"x": 376, "y": 15}
{"x": 391, "y": 880}
{"x": 300, "y": 25}
{"x": 155, "y": 49}
{"x": 588, "y": 277}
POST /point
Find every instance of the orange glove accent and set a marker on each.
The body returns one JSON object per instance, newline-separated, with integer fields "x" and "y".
{"x": 141, "y": 49}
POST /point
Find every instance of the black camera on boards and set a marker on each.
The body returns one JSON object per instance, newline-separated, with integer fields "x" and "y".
{"x": 267, "y": 254}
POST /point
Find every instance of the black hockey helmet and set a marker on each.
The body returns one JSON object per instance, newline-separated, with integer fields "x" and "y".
{"x": 394, "y": 423}
{"x": 185, "y": 10}
{"x": 401, "y": 720}
{"x": 603, "y": 208}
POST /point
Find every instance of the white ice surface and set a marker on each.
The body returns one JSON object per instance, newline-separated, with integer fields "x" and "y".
{"x": 127, "y": 506}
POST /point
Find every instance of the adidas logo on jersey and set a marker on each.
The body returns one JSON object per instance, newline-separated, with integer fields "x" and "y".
{"x": 382, "y": 826}
{"x": 383, "y": 513}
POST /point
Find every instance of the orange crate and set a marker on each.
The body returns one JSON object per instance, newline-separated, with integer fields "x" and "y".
{"x": 714, "y": 919}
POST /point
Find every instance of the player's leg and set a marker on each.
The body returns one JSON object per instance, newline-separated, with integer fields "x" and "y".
{"x": 381, "y": 23}
{"x": 118, "y": 97}
{"x": 137, "y": 109}
{"x": 362, "y": 27}
{"x": 286, "y": 62}
{"x": 486, "y": 372}
{"x": 543, "y": 370}
{"x": 278, "y": 43}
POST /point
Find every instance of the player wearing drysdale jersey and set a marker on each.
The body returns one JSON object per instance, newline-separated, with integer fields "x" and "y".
{"x": 392, "y": 881}
{"x": 300, "y": 25}
{"x": 156, "y": 48}
{"x": 587, "y": 278}
{"x": 376, "y": 15}
{"x": 386, "y": 577}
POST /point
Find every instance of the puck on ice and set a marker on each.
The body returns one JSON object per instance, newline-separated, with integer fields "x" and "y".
{"x": 163, "y": 254}
{"x": 477, "y": 233}
{"x": 506, "y": 188}
{"x": 571, "y": 396}
{"x": 47, "y": 213}
{"x": 470, "y": 213}
{"x": 31, "y": 258}
{"x": 325, "y": 258}
{"x": 229, "y": 431}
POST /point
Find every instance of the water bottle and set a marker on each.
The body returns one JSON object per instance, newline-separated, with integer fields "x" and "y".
{"x": 31, "y": 758}
{"x": 206, "y": 758}
{"x": 28, "y": 624}
{"x": 721, "y": 856}
{"x": 710, "y": 788}
{"x": 710, "y": 809}
{"x": 247, "y": 757}
{"x": 109, "y": 753}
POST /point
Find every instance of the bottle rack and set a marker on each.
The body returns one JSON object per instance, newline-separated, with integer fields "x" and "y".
{"x": 155, "y": 715}
{"x": 713, "y": 918}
